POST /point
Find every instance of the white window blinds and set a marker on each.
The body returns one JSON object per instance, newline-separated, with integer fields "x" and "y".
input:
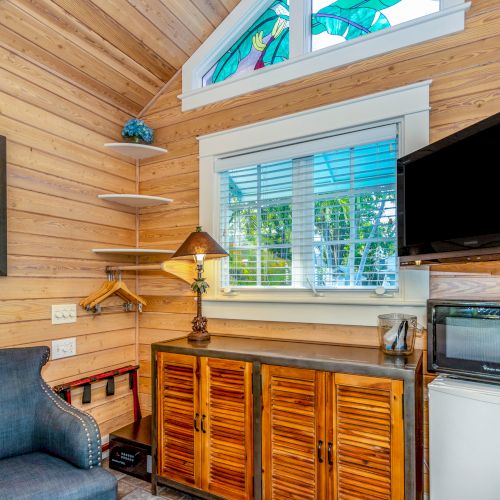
{"x": 317, "y": 214}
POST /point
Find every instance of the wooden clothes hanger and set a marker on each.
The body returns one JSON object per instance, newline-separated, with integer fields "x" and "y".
{"x": 125, "y": 293}
{"x": 115, "y": 286}
{"x": 121, "y": 289}
{"x": 109, "y": 288}
{"x": 94, "y": 295}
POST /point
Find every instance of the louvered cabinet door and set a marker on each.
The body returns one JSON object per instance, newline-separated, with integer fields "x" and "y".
{"x": 293, "y": 428}
{"x": 179, "y": 443}
{"x": 365, "y": 431}
{"x": 227, "y": 428}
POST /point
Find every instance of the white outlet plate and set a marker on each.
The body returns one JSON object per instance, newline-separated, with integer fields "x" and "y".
{"x": 63, "y": 313}
{"x": 63, "y": 348}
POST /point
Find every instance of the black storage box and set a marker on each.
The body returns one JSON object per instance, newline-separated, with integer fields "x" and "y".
{"x": 130, "y": 449}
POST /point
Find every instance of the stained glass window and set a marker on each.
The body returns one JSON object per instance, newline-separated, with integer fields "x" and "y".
{"x": 337, "y": 21}
{"x": 265, "y": 43}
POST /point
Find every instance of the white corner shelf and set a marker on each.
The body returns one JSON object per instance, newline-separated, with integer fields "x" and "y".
{"x": 132, "y": 251}
{"x": 135, "y": 151}
{"x": 135, "y": 200}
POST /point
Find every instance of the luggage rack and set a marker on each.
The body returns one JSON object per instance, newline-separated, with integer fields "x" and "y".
{"x": 64, "y": 390}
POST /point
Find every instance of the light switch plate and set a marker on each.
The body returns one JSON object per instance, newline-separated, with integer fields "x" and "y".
{"x": 63, "y": 348}
{"x": 63, "y": 313}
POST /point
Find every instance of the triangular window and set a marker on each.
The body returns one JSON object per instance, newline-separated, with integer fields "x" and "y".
{"x": 291, "y": 39}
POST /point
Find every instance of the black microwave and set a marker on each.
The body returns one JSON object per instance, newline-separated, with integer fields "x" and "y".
{"x": 463, "y": 338}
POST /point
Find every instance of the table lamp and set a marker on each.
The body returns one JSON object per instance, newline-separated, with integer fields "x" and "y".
{"x": 200, "y": 246}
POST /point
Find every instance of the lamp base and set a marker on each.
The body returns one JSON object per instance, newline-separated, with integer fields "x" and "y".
{"x": 196, "y": 337}
{"x": 199, "y": 332}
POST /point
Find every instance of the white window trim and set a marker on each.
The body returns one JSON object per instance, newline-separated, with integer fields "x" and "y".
{"x": 449, "y": 19}
{"x": 409, "y": 107}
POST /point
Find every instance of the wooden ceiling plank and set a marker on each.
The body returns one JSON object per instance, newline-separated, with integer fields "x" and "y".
{"x": 92, "y": 42}
{"x": 29, "y": 27}
{"x": 106, "y": 27}
{"x": 191, "y": 16}
{"x": 148, "y": 33}
{"x": 170, "y": 25}
{"x": 213, "y": 10}
{"x": 23, "y": 68}
{"x": 27, "y": 49}
{"x": 230, "y": 4}
{"x": 166, "y": 87}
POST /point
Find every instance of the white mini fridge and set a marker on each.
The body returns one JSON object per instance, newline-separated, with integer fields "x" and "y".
{"x": 464, "y": 440}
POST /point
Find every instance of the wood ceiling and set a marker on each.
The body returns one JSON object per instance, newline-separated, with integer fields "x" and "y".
{"x": 122, "y": 51}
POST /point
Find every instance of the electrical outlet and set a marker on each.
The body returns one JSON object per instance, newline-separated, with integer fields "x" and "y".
{"x": 63, "y": 348}
{"x": 63, "y": 313}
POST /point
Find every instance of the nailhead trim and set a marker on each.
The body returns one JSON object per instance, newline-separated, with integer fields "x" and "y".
{"x": 71, "y": 410}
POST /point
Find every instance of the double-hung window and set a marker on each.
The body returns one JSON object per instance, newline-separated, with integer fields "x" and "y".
{"x": 319, "y": 214}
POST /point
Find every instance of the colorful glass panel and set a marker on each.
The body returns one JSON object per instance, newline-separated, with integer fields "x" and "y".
{"x": 341, "y": 20}
{"x": 265, "y": 43}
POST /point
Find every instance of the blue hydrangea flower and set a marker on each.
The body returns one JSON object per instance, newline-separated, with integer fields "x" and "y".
{"x": 137, "y": 129}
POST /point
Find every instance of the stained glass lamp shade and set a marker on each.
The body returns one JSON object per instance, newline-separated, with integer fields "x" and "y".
{"x": 200, "y": 246}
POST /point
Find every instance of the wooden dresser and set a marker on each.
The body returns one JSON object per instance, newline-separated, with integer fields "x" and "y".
{"x": 244, "y": 418}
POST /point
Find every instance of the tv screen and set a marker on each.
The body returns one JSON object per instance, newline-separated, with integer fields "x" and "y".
{"x": 3, "y": 207}
{"x": 448, "y": 193}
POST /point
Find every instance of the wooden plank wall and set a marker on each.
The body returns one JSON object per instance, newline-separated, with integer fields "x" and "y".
{"x": 465, "y": 69}
{"x": 57, "y": 165}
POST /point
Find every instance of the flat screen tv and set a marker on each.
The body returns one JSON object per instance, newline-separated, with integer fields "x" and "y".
{"x": 449, "y": 197}
{"x": 3, "y": 207}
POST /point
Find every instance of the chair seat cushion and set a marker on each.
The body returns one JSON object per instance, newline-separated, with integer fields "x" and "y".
{"x": 39, "y": 476}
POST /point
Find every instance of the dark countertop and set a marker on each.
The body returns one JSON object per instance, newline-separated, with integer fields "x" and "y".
{"x": 313, "y": 355}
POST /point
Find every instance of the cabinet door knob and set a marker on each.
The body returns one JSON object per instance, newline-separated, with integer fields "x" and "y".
{"x": 203, "y": 424}
{"x": 195, "y": 422}
{"x": 330, "y": 453}
{"x": 320, "y": 451}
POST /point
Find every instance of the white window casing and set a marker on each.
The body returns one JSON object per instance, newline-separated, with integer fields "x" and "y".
{"x": 408, "y": 107}
{"x": 449, "y": 19}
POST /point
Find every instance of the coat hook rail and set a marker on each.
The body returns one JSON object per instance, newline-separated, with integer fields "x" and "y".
{"x": 183, "y": 270}
{"x": 125, "y": 307}
{"x": 141, "y": 267}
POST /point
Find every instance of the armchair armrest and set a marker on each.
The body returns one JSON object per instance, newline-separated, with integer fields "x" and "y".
{"x": 65, "y": 431}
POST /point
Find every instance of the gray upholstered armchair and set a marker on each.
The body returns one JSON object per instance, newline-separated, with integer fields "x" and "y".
{"x": 48, "y": 448}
